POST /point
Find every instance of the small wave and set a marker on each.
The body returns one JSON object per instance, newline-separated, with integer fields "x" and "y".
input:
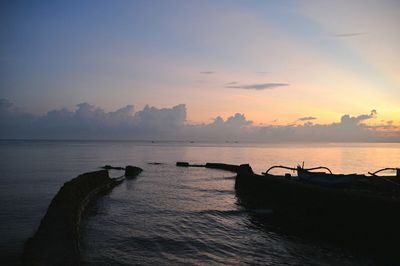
{"x": 160, "y": 244}
{"x": 219, "y": 191}
{"x": 222, "y": 212}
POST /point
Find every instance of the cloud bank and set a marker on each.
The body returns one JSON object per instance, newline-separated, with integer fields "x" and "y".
{"x": 151, "y": 123}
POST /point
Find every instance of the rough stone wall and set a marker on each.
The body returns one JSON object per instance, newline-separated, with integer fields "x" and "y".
{"x": 56, "y": 242}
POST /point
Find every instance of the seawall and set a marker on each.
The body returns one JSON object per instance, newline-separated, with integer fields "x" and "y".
{"x": 223, "y": 166}
{"x": 56, "y": 242}
{"x": 220, "y": 166}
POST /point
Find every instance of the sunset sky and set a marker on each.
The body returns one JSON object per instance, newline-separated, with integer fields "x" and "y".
{"x": 273, "y": 61}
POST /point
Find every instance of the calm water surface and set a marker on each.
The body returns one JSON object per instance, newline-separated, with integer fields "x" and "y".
{"x": 170, "y": 215}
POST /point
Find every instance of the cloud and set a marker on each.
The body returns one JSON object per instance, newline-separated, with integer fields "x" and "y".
{"x": 207, "y": 72}
{"x": 306, "y": 118}
{"x": 349, "y": 34}
{"x": 87, "y": 121}
{"x": 348, "y": 120}
{"x": 258, "y": 86}
{"x": 7, "y": 107}
{"x": 236, "y": 121}
{"x": 233, "y": 128}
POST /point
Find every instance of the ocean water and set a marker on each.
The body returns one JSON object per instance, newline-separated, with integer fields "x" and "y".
{"x": 171, "y": 215}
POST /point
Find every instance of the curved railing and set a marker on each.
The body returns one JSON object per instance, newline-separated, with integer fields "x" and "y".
{"x": 295, "y": 169}
{"x": 382, "y": 170}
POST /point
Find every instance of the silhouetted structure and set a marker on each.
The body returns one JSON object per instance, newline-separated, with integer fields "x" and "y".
{"x": 132, "y": 171}
{"x": 366, "y": 212}
{"x": 220, "y": 166}
{"x": 182, "y": 164}
{"x": 223, "y": 166}
{"x": 56, "y": 242}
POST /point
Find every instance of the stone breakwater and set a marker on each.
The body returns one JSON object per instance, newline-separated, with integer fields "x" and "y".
{"x": 56, "y": 242}
{"x": 220, "y": 166}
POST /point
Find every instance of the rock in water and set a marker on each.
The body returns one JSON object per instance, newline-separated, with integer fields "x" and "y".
{"x": 184, "y": 164}
{"x": 223, "y": 166}
{"x": 110, "y": 167}
{"x": 132, "y": 171}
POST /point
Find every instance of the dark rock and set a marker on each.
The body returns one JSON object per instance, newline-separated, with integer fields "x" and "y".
{"x": 227, "y": 167}
{"x": 243, "y": 169}
{"x": 56, "y": 242}
{"x": 220, "y": 166}
{"x": 155, "y": 163}
{"x": 132, "y": 171}
{"x": 186, "y": 164}
{"x": 197, "y": 165}
{"x": 109, "y": 167}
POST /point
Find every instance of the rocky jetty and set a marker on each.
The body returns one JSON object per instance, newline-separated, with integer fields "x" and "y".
{"x": 182, "y": 164}
{"x": 223, "y": 166}
{"x": 186, "y": 164}
{"x": 56, "y": 242}
{"x": 155, "y": 163}
{"x": 220, "y": 166}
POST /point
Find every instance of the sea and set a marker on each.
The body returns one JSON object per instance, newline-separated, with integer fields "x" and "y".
{"x": 171, "y": 215}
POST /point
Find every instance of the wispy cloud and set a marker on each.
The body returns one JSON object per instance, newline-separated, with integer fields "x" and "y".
{"x": 349, "y": 34}
{"x": 209, "y": 72}
{"x": 258, "y": 86}
{"x": 306, "y": 118}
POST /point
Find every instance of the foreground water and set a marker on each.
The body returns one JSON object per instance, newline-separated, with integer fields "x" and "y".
{"x": 171, "y": 215}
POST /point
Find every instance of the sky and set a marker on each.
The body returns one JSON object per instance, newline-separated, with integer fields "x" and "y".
{"x": 252, "y": 67}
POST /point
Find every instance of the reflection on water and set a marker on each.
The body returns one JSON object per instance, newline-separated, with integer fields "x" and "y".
{"x": 168, "y": 214}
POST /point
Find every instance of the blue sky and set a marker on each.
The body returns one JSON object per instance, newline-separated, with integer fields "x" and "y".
{"x": 335, "y": 57}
